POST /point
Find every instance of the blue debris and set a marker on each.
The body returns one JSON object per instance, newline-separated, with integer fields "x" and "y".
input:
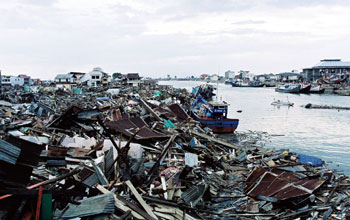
{"x": 309, "y": 160}
{"x": 169, "y": 124}
{"x": 103, "y": 99}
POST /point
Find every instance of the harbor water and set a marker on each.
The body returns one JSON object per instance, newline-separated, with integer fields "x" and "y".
{"x": 324, "y": 133}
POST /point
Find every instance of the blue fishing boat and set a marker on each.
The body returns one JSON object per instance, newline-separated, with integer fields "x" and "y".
{"x": 288, "y": 88}
{"x": 213, "y": 115}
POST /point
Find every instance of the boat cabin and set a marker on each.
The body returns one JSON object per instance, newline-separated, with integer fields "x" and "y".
{"x": 218, "y": 108}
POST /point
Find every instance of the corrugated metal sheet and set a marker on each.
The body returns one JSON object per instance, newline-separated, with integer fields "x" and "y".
{"x": 128, "y": 127}
{"x": 332, "y": 63}
{"x": 180, "y": 113}
{"x": 8, "y": 152}
{"x": 279, "y": 184}
{"x": 91, "y": 206}
{"x": 21, "y": 171}
{"x": 30, "y": 152}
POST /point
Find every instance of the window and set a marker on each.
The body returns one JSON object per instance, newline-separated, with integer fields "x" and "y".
{"x": 93, "y": 77}
{"x": 97, "y": 77}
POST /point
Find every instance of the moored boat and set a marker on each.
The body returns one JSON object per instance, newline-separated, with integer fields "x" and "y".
{"x": 317, "y": 89}
{"x": 288, "y": 88}
{"x": 213, "y": 115}
{"x": 282, "y": 103}
{"x": 247, "y": 84}
{"x": 305, "y": 88}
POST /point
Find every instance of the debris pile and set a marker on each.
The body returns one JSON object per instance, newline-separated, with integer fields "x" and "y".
{"x": 136, "y": 154}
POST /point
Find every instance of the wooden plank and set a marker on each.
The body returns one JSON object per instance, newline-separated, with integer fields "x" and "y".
{"x": 135, "y": 208}
{"x": 162, "y": 178}
{"x": 218, "y": 141}
{"x": 173, "y": 211}
{"x": 149, "y": 109}
{"x": 140, "y": 199}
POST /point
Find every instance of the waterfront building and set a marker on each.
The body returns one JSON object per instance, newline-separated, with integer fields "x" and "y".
{"x": 214, "y": 78}
{"x": 204, "y": 76}
{"x": 327, "y": 68}
{"x": 261, "y": 78}
{"x": 229, "y": 74}
{"x": 289, "y": 77}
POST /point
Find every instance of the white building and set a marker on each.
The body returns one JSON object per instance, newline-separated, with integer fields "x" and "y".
{"x": 95, "y": 77}
{"x": 12, "y": 81}
{"x": 229, "y": 74}
{"x": 133, "y": 79}
{"x": 64, "y": 79}
{"x": 214, "y": 78}
{"x": 6, "y": 81}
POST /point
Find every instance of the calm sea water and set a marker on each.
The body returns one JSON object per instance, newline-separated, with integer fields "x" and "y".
{"x": 319, "y": 132}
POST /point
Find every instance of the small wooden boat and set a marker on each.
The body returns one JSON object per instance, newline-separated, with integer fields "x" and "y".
{"x": 282, "y": 103}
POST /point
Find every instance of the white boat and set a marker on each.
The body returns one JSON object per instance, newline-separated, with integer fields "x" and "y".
{"x": 282, "y": 103}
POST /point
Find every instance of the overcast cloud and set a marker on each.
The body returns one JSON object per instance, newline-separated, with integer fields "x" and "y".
{"x": 43, "y": 38}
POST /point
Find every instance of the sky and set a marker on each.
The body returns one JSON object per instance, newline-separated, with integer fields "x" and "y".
{"x": 43, "y": 38}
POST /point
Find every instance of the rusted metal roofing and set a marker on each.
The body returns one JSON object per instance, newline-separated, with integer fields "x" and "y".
{"x": 279, "y": 184}
{"x": 129, "y": 126}
{"x": 180, "y": 113}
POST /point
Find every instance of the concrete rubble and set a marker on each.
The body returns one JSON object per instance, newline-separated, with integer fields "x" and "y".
{"x": 134, "y": 153}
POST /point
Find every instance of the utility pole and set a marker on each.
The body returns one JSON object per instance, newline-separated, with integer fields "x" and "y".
{"x": 0, "y": 85}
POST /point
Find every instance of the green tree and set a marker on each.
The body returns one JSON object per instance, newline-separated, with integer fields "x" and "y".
{"x": 116, "y": 75}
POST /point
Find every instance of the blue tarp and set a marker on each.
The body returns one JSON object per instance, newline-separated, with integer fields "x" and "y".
{"x": 309, "y": 160}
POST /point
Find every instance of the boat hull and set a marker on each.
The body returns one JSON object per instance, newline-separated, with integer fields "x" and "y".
{"x": 305, "y": 89}
{"x": 225, "y": 125}
{"x": 288, "y": 90}
{"x": 317, "y": 91}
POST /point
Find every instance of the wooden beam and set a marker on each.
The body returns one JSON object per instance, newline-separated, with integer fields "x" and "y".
{"x": 140, "y": 199}
{"x": 149, "y": 109}
{"x": 218, "y": 141}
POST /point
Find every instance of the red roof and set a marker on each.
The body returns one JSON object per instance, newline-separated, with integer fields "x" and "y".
{"x": 24, "y": 76}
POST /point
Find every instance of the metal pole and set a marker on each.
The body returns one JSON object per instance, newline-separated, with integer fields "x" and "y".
{"x": 0, "y": 84}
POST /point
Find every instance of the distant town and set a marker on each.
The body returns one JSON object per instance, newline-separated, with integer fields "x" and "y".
{"x": 329, "y": 69}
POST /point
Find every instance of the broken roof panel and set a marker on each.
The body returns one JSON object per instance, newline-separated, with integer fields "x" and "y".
{"x": 8, "y": 152}
{"x": 128, "y": 127}
{"x": 278, "y": 184}
{"x": 180, "y": 113}
{"x": 30, "y": 152}
{"x": 91, "y": 206}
